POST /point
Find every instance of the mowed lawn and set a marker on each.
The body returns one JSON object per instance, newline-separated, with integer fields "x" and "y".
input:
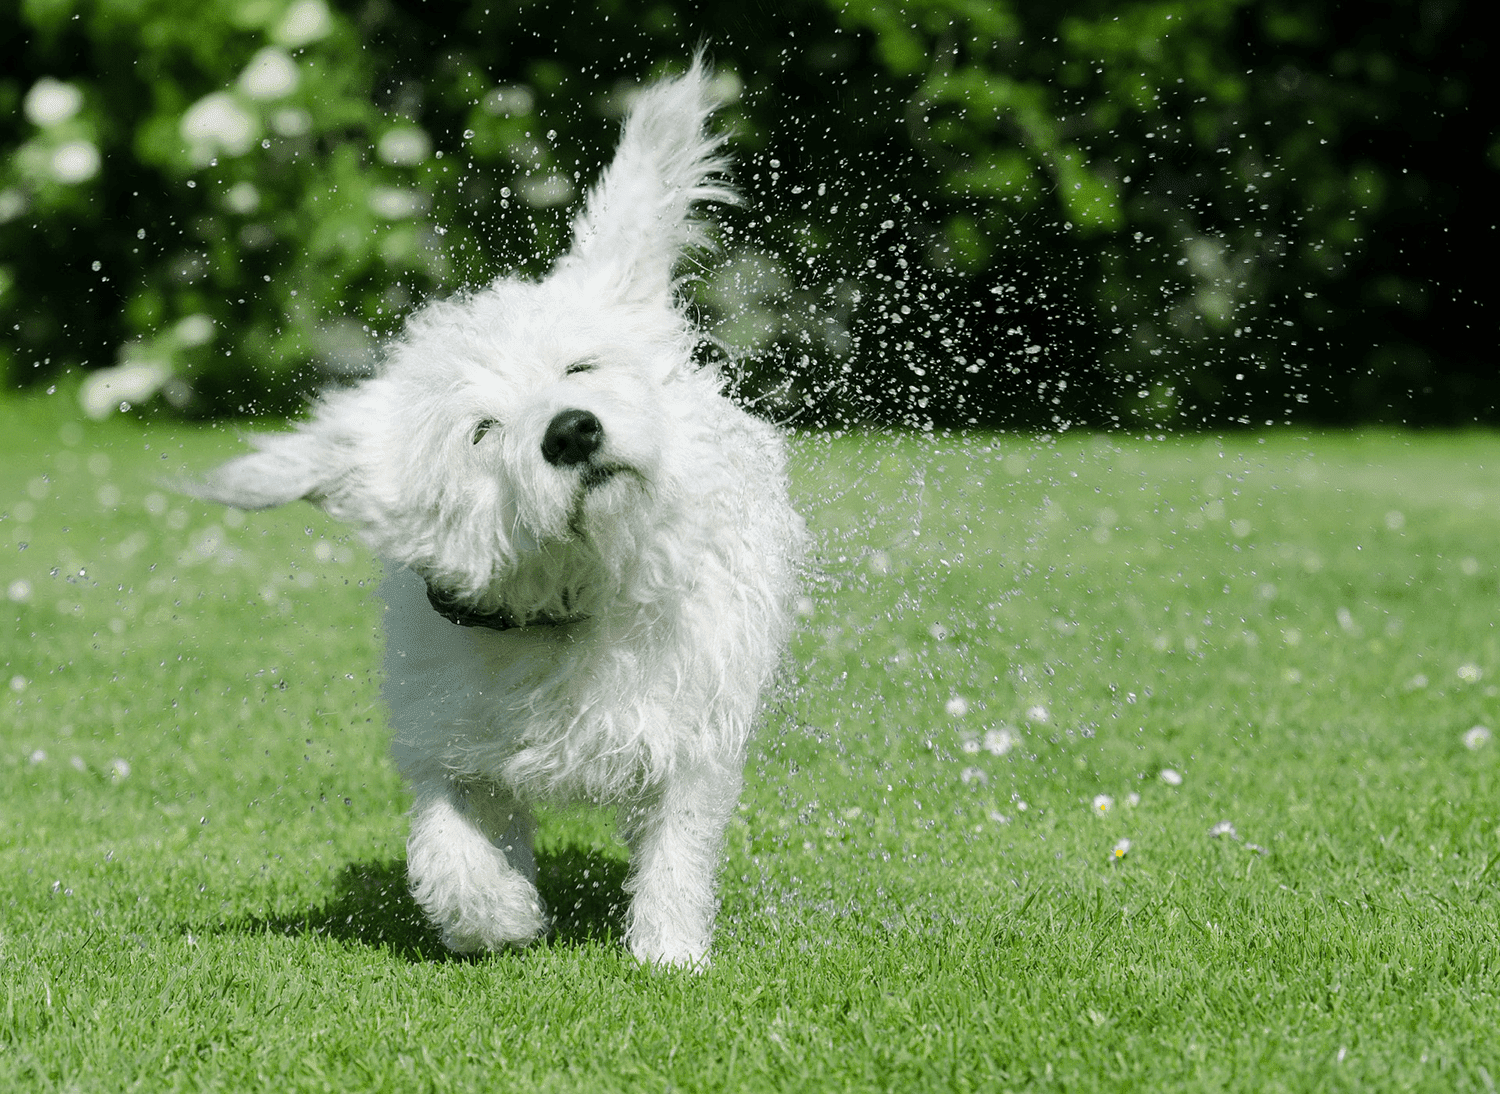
{"x": 1101, "y": 763}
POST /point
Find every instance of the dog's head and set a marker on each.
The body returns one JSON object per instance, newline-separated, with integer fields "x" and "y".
{"x": 518, "y": 437}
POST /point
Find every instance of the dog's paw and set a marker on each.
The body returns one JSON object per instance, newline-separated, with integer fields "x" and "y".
{"x": 671, "y": 953}
{"x": 478, "y": 927}
{"x": 477, "y": 901}
{"x": 471, "y": 934}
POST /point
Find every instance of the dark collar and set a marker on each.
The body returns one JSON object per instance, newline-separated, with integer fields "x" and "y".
{"x": 499, "y": 620}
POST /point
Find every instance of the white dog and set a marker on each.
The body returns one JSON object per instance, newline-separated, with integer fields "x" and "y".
{"x": 589, "y": 554}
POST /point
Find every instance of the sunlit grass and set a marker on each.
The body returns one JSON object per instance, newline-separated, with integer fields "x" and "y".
{"x": 1101, "y": 763}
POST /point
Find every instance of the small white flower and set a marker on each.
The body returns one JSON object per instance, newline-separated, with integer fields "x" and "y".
{"x": 18, "y": 683}
{"x": 974, "y": 775}
{"x": 39, "y": 756}
{"x": 1171, "y": 777}
{"x": 404, "y": 146}
{"x": 129, "y": 382}
{"x": 51, "y": 102}
{"x": 120, "y": 768}
{"x": 1000, "y": 740}
{"x": 194, "y": 330}
{"x": 76, "y": 161}
{"x": 1103, "y": 803}
{"x": 1120, "y": 849}
{"x": 271, "y": 74}
{"x": 1470, "y": 673}
{"x": 958, "y": 706}
{"x": 1477, "y": 738}
{"x": 1224, "y": 828}
{"x": 305, "y": 21}
{"x": 1038, "y": 714}
{"x": 396, "y": 203}
{"x": 242, "y": 198}
{"x": 217, "y": 123}
{"x": 1132, "y": 799}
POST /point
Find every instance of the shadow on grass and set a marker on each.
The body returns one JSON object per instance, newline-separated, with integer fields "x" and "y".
{"x": 371, "y": 906}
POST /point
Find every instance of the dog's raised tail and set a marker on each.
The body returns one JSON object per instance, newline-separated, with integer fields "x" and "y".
{"x": 637, "y": 220}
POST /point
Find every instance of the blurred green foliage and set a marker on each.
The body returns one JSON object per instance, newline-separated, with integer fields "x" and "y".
{"x": 1149, "y": 213}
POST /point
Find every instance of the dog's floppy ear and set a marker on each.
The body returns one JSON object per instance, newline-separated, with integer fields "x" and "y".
{"x": 637, "y": 219}
{"x": 306, "y": 463}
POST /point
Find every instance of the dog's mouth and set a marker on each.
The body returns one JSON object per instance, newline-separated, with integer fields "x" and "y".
{"x": 467, "y": 615}
{"x": 593, "y": 476}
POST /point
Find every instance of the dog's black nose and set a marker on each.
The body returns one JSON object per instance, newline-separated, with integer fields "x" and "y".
{"x": 571, "y": 438}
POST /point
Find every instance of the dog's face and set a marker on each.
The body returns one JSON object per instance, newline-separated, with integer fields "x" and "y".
{"x": 554, "y": 408}
{"x": 516, "y": 440}
{"x": 526, "y": 428}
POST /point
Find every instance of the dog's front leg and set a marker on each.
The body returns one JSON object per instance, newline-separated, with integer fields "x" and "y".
{"x": 675, "y": 841}
{"x": 470, "y": 865}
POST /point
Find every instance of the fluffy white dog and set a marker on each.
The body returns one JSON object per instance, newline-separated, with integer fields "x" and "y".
{"x": 589, "y": 554}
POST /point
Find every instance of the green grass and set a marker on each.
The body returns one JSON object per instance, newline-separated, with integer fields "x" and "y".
{"x": 201, "y": 837}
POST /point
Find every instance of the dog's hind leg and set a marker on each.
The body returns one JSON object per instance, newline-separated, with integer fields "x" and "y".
{"x": 675, "y": 843}
{"x": 481, "y": 893}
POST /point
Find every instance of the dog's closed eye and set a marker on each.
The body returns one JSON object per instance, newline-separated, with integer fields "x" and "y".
{"x": 587, "y": 364}
{"x": 482, "y": 428}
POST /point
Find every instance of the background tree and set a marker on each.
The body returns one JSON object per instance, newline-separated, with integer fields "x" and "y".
{"x": 1144, "y": 214}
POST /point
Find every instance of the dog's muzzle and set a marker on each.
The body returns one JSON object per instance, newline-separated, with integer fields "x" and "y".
{"x": 572, "y": 437}
{"x": 465, "y": 615}
{"x": 574, "y": 440}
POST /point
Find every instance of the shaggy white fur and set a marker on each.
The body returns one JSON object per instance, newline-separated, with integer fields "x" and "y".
{"x": 589, "y": 554}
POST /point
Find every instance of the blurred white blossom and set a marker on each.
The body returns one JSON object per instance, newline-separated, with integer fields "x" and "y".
{"x": 75, "y": 162}
{"x": 242, "y": 198}
{"x": 305, "y": 21}
{"x": 394, "y": 203}
{"x": 51, "y": 102}
{"x": 194, "y": 330}
{"x": 217, "y": 123}
{"x": 105, "y": 389}
{"x": 271, "y": 74}
{"x": 404, "y": 146}
{"x": 1000, "y": 740}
